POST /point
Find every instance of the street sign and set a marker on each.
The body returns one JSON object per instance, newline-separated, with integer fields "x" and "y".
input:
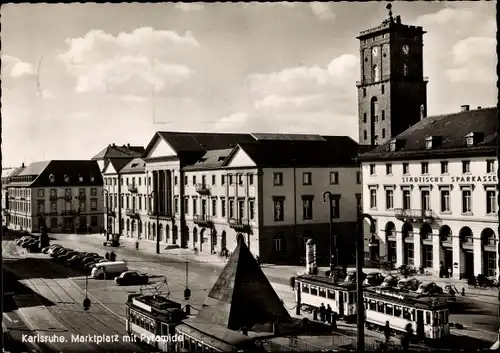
{"x": 86, "y": 304}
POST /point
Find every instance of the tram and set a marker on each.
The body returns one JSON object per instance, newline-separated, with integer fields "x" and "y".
{"x": 151, "y": 319}
{"x": 428, "y": 316}
{"x": 311, "y": 291}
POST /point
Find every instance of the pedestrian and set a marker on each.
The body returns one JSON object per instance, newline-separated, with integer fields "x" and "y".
{"x": 107, "y": 256}
{"x": 449, "y": 272}
{"x": 112, "y": 256}
{"x": 334, "y": 320}
{"x": 137, "y": 245}
{"x": 387, "y": 331}
{"x": 322, "y": 312}
{"x": 441, "y": 270}
{"x": 315, "y": 314}
{"x": 328, "y": 314}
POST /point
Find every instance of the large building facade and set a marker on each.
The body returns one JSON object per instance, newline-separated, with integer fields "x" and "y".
{"x": 433, "y": 192}
{"x": 206, "y": 189}
{"x": 64, "y": 196}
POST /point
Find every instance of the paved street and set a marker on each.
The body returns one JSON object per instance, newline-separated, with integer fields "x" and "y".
{"x": 108, "y": 310}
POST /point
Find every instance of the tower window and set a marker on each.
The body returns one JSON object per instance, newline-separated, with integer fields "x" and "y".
{"x": 383, "y": 89}
{"x": 383, "y": 133}
{"x": 364, "y": 92}
{"x": 376, "y": 73}
{"x": 405, "y": 69}
{"x": 365, "y": 135}
{"x": 364, "y": 118}
{"x": 383, "y": 114}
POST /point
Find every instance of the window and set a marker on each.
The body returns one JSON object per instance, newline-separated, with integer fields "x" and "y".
{"x": 465, "y": 167}
{"x": 444, "y": 167}
{"x": 406, "y": 199}
{"x": 424, "y": 166}
{"x": 306, "y": 178}
{"x": 186, "y": 205}
{"x": 364, "y": 92}
{"x": 278, "y": 179}
{"x": 279, "y": 243}
{"x": 213, "y": 179}
{"x": 53, "y": 207}
{"x": 81, "y": 206}
{"x": 372, "y": 169}
{"x": 53, "y": 192}
{"x": 376, "y": 73}
{"x": 491, "y": 201}
{"x": 195, "y": 204}
{"x": 466, "y": 201}
{"x": 230, "y": 179}
{"x": 428, "y": 253}
{"x": 445, "y": 200}
{"x": 231, "y": 208}
{"x": 383, "y": 89}
{"x": 223, "y": 207}
{"x": 214, "y": 207}
{"x": 41, "y": 207}
{"x": 405, "y": 69}
{"x": 251, "y": 208}
{"x": 388, "y": 169}
{"x": 241, "y": 208}
{"x": 383, "y": 118}
{"x": 358, "y": 177}
{"x": 185, "y": 180}
{"x": 250, "y": 179}
{"x": 365, "y": 135}
{"x": 176, "y": 205}
{"x": 490, "y": 166}
{"x": 223, "y": 180}
{"x": 307, "y": 207}
{"x": 67, "y": 192}
{"x": 40, "y": 192}
{"x": 364, "y": 118}
{"x": 389, "y": 199}
{"x": 204, "y": 179}
{"x": 278, "y": 209}
{"x": 194, "y": 179}
{"x": 93, "y": 204}
{"x": 359, "y": 206}
{"x": 383, "y": 131}
{"x": 373, "y": 198}
{"x": 334, "y": 178}
{"x": 426, "y": 200}
{"x": 406, "y": 168}
{"x": 335, "y": 206}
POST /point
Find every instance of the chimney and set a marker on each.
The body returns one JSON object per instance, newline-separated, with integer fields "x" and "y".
{"x": 22, "y": 165}
{"x": 422, "y": 112}
{"x": 479, "y": 107}
{"x": 128, "y": 145}
{"x": 464, "y": 108}
{"x": 113, "y": 145}
{"x": 244, "y": 331}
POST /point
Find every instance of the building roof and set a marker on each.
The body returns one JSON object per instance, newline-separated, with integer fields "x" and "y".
{"x": 6, "y": 172}
{"x": 117, "y": 163}
{"x": 211, "y": 160}
{"x": 450, "y": 130}
{"x": 34, "y": 168}
{"x": 124, "y": 151}
{"x": 242, "y": 296}
{"x": 260, "y": 136}
{"x": 333, "y": 150}
{"x": 136, "y": 165}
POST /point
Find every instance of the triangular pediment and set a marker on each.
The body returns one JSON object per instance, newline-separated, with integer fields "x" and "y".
{"x": 242, "y": 296}
{"x": 109, "y": 169}
{"x": 161, "y": 148}
{"x": 240, "y": 159}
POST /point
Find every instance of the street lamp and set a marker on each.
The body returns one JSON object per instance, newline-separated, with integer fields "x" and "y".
{"x": 105, "y": 191}
{"x": 157, "y": 199}
{"x": 360, "y": 254}
{"x": 333, "y": 244}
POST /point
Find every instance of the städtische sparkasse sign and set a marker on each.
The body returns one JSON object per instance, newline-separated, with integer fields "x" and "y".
{"x": 446, "y": 179}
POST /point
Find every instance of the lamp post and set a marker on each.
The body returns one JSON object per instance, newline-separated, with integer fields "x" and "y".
{"x": 157, "y": 200}
{"x": 106, "y": 203}
{"x": 359, "y": 277}
{"x": 332, "y": 243}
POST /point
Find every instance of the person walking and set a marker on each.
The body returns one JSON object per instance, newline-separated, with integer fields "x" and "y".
{"x": 387, "y": 332}
{"x": 449, "y": 272}
{"x": 334, "y": 320}
{"x": 329, "y": 314}
{"x": 322, "y": 312}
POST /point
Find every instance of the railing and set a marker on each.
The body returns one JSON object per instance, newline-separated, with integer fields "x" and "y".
{"x": 80, "y": 197}
{"x": 239, "y": 223}
{"x": 405, "y": 214}
{"x": 53, "y": 197}
{"x": 369, "y": 81}
{"x": 68, "y": 212}
{"x": 202, "y": 188}
{"x": 202, "y": 219}
{"x": 132, "y": 212}
{"x": 109, "y": 211}
{"x": 68, "y": 197}
{"x": 132, "y": 188}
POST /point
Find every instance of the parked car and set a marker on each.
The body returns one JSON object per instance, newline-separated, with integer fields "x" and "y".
{"x": 373, "y": 279}
{"x": 131, "y": 278}
{"x": 409, "y": 284}
{"x": 351, "y": 277}
{"x": 54, "y": 249}
{"x": 90, "y": 262}
{"x": 22, "y": 239}
{"x": 34, "y": 246}
{"x": 429, "y": 288}
{"x": 66, "y": 256}
{"x": 59, "y": 253}
{"x": 27, "y": 242}
{"x": 390, "y": 281}
{"x": 110, "y": 269}
{"x": 48, "y": 248}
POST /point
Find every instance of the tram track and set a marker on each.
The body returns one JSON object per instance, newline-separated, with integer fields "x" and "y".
{"x": 68, "y": 312}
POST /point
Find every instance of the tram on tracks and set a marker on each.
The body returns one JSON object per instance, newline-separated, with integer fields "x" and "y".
{"x": 428, "y": 315}
{"x": 151, "y": 319}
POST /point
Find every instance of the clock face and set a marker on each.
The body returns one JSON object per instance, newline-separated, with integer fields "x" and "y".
{"x": 375, "y": 51}
{"x": 406, "y": 49}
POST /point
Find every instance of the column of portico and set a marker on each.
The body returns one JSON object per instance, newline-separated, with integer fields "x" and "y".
{"x": 478, "y": 255}
{"x": 155, "y": 189}
{"x": 437, "y": 253}
{"x": 399, "y": 249}
{"x": 457, "y": 256}
{"x": 417, "y": 248}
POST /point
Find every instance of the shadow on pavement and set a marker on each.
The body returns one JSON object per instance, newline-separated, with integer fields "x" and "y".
{"x": 11, "y": 284}
{"x": 463, "y": 343}
{"x": 470, "y": 308}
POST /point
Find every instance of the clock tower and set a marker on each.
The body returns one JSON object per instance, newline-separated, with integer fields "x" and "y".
{"x": 392, "y": 92}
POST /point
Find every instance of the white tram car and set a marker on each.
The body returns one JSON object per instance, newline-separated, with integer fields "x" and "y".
{"x": 311, "y": 291}
{"x": 428, "y": 316}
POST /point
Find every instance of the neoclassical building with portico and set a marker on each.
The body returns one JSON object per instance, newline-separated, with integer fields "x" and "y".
{"x": 433, "y": 192}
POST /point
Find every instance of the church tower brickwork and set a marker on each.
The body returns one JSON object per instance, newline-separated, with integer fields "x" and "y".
{"x": 392, "y": 92}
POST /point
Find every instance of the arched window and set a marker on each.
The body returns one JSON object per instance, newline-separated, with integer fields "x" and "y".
{"x": 445, "y": 233}
{"x": 425, "y": 231}
{"x": 383, "y": 133}
{"x": 376, "y": 73}
{"x": 365, "y": 135}
{"x": 390, "y": 229}
{"x": 128, "y": 225}
{"x": 374, "y": 109}
{"x": 279, "y": 243}
{"x": 195, "y": 235}
{"x": 465, "y": 235}
{"x": 488, "y": 237}
{"x": 407, "y": 230}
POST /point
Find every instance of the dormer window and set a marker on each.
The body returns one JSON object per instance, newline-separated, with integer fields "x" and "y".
{"x": 432, "y": 142}
{"x": 396, "y": 145}
{"x": 66, "y": 178}
{"x": 392, "y": 146}
{"x": 80, "y": 178}
{"x": 473, "y": 138}
{"x": 92, "y": 178}
{"x": 52, "y": 178}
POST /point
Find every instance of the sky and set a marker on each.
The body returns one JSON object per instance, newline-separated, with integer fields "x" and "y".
{"x": 77, "y": 77}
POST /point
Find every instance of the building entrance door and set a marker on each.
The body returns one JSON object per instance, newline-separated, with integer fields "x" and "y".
{"x": 448, "y": 260}
{"x": 469, "y": 264}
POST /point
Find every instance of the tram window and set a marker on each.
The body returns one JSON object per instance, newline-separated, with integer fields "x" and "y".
{"x": 314, "y": 290}
{"x": 331, "y": 294}
{"x": 427, "y": 318}
{"x": 352, "y": 298}
{"x": 186, "y": 342}
{"x": 322, "y": 292}
{"x": 305, "y": 288}
{"x": 397, "y": 311}
{"x": 440, "y": 317}
{"x": 373, "y": 305}
{"x": 200, "y": 347}
{"x": 413, "y": 314}
{"x": 406, "y": 314}
{"x": 445, "y": 316}
{"x": 388, "y": 309}
{"x": 192, "y": 347}
{"x": 380, "y": 307}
